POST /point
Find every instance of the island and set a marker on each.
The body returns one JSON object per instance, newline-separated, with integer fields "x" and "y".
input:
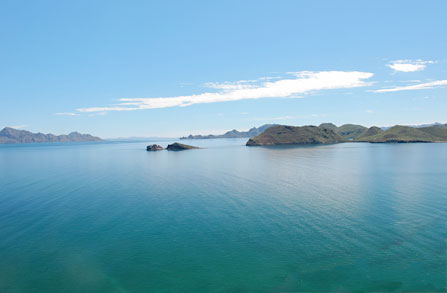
{"x": 233, "y": 133}
{"x": 180, "y": 147}
{"x": 284, "y": 135}
{"x": 10, "y": 135}
{"x": 328, "y": 133}
{"x": 154, "y": 148}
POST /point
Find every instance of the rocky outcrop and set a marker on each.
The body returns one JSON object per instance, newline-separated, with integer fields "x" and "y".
{"x": 154, "y": 147}
{"x": 180, "y": 147}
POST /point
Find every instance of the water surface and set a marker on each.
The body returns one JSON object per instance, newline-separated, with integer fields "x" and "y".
{"x": 111, "y": 217}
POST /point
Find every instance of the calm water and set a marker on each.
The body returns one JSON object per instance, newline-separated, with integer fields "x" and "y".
{"x": 111, "y": 217}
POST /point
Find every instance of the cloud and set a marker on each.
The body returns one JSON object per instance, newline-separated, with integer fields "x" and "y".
{"x": 66, "y": 114}
{"x": 420, "y": 86}
{"x": 409, "y": 65}
{"x": 302, "y": 83}
{"x": 369, "y": 111}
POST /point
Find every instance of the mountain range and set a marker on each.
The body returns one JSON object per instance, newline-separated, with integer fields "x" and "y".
{"x": 233, "y": 133}
{"x": 11, "y": 135}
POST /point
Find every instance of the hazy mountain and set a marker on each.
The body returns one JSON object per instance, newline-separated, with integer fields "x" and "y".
{"x": 11, "y": 135}
{"x": 233, "y": 133}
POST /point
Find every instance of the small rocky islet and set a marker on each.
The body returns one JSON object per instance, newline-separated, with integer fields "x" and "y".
{"x": 171, "y": 147}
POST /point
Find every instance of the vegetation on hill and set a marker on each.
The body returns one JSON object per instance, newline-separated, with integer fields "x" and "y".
{"x": 351, "y": 131}
{"x": 374, "y": 130}
{"x": 329, "y": 133}
{"x": 348, "y": 131}
{"x": 407, "y": 134}
{"x": 283, "y": 135}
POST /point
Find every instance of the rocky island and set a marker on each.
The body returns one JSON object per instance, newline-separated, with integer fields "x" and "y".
{"x": 283, "y": 135}
{"x": 154, "y": 148}
{"x": 11, "y": 135}
{"x": 180, "y": 147}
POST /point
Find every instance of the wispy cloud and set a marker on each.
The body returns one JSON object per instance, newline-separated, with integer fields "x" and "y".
{"x": 66, "y": 114}
{"x": 420, "y": 86}
{"x": 409, "y": 65}
{"x": 301, "y": 83}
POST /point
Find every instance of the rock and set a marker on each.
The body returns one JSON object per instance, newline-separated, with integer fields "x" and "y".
{"x": 154, "y": 147}
{"x": 180, "y": 147}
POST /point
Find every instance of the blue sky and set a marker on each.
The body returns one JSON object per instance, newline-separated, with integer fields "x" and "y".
{"x": 170, "y": 68}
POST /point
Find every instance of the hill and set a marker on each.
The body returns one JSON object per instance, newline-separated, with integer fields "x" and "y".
{"x": 348, "y": 131}
{"x": 374, "y": 130}
{"x": 403, "y": 134}
{"x": 11, "y": 135}
{"x": 284, "y": 135}
{"x": 233, "y": 133}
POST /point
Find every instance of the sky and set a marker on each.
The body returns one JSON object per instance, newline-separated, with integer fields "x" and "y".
{"x": 173, "y": 68}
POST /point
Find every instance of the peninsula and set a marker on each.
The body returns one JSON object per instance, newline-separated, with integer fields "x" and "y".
{"x": 10, "y": 135}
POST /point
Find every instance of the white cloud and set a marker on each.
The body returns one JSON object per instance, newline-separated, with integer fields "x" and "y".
{"x": 369, "y": 111}
{"x": 409, "y": 65}
{"x": 66, "y": 114}
{"x": 420, "y": 86}
{"x": 304, "y": 82}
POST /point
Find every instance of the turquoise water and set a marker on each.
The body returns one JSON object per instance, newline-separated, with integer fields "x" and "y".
{"x": 111, "y": 217}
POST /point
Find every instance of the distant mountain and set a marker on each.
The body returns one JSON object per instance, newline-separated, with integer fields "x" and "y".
{"x": 233, "y": 133}
{"x": 398, "y": 133}
{"x": 11, "y": 135}
{"x": 348, "y": 131}
{"x": 284, "y": 135}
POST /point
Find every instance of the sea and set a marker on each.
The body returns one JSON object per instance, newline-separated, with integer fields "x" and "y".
{"x": 112, "y": 217}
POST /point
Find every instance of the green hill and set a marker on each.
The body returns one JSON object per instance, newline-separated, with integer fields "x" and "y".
{"x": 374, "y": 130}
{"x": 439, "y": 131}
{"x": 351, "y": 131}
{"x": 330, "y": 126}
{"x": 284, "y": 135}
{"x": 406, "y": 134}
{"x": 348, "y": 131}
